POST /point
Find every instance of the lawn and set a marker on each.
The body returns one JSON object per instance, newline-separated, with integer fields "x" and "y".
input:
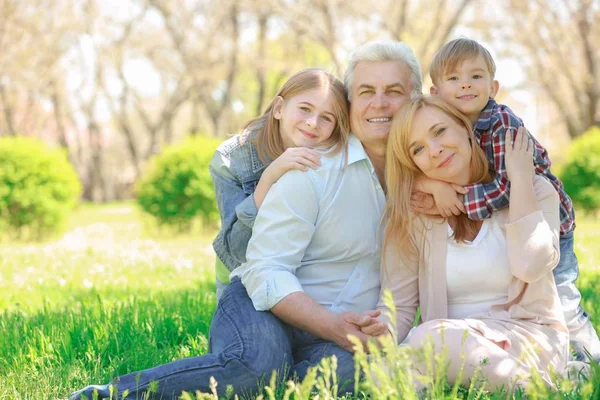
{"x": 109, "y": 298}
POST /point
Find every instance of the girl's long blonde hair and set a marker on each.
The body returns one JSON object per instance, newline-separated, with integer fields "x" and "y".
{"x": 401, "y": 172}
{"x": 268, "y": 141}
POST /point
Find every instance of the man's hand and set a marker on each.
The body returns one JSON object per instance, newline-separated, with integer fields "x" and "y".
{"x": 369, "y": 323}
{"x": 341, "y": 329}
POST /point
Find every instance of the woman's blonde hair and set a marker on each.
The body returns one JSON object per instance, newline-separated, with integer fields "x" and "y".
{"x": 401, "y": 172}
{"x": 268, "y": 141}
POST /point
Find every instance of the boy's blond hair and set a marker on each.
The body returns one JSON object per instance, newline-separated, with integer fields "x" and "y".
{"x": 454, "y": 53}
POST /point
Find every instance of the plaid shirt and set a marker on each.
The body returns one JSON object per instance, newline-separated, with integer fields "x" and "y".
{"x": 494, "y": 122}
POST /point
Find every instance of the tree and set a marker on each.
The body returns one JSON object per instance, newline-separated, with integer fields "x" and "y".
{"x": 558, "y": 43}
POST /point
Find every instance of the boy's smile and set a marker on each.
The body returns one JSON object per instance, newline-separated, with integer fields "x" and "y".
{"x": 468, "y": 87}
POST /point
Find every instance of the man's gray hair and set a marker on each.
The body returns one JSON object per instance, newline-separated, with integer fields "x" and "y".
{"x": 385, "y": 50}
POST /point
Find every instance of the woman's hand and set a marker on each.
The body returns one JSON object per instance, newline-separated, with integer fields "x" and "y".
{"x": 519, "y": 156}
{"x": 301, "y": 158}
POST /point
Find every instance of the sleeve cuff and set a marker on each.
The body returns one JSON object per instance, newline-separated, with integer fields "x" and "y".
{"x": 271, "y": 291}
{"x": 246, "y": 211}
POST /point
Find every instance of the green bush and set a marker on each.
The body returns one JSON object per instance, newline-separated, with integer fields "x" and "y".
{"x": 177, "y": 188}
{"x": 581, "y": 173}
{"x": 38, "y": 188}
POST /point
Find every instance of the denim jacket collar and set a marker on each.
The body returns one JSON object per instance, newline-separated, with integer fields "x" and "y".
{"x": 257, "y": 164}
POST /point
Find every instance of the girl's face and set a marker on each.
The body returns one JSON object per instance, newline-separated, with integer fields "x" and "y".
{"x": 440, "y": 146}
{"x": 307, "y": 119}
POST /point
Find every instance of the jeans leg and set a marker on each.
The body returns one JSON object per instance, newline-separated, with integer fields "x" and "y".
{"x": 581, "y": 331}
{"x": 247, "y": 345}
{"x": 310, "y": 350}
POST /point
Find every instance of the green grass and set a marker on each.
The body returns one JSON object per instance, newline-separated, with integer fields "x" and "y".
{"x": 107, "y": 299}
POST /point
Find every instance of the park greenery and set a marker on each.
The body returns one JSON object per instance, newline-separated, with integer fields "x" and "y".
{"x": 177, "y": 188}
{"x": 581, "y": 172}
{"x": 124, "y": 104}
{"x": 38, "y": 188}
{"x": 115, "y": 82}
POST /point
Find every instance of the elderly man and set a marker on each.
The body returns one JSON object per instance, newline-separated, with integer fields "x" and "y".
{"x": 313, "y": 260}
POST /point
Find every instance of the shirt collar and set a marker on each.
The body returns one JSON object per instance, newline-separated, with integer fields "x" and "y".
{"x": 484, "y": 122}
{"x": 356, "y": 151}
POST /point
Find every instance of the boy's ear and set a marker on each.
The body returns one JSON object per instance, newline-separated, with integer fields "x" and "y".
{"x": 277, "y": 106}
{"x": 495, "y": 88}
{"x": 433, "y": 90}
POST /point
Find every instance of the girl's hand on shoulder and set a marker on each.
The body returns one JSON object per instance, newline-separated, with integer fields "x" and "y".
{"x": 301, "y": 158}
{"x": 519, "y": 156}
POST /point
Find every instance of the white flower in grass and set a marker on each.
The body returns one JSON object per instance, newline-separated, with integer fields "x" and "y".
{"x": 87, "y": 283}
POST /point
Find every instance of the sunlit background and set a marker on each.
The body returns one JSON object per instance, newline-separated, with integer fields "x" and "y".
{"x": 115, "y": 81}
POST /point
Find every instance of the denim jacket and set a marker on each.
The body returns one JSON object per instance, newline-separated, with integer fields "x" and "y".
{"x": 235, "y": 170}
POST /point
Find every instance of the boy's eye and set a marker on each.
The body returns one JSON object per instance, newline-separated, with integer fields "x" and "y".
{"x": 452, "y": 78}
{"x": 477, "y": 76}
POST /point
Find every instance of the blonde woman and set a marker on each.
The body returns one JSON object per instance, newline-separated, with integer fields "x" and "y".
{"x": 491, "y": 279}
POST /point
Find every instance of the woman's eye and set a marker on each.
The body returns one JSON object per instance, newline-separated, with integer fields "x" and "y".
{"x": 306, "y": 109}
{"x": 417, "y": 150}
{"x": 440, "y": 131}
{"x": 326, "y": 118}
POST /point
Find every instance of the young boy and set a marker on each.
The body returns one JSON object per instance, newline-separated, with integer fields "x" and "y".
{"x": 462, "y": 73}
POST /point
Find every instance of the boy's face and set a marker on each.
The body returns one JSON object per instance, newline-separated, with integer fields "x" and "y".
{"x": 468, "y": 87}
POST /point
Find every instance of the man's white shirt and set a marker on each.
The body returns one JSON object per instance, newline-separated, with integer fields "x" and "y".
{"x": 318, "y": 232}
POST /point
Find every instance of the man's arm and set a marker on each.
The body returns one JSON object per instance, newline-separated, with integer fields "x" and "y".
{"x": 301, "y": 311}
{"x": 282, "y": 231}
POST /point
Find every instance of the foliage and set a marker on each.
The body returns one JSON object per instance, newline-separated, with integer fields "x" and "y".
{"x": 177, "y": 187}
{"x": 581, "y": 174}
{"x": 38, "y": 188}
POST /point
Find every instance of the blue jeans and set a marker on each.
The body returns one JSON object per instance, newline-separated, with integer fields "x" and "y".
{"x": 581, "y": 331}
{"x": 246, "y": 346}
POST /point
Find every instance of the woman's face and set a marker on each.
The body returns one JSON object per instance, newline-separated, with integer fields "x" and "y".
{"x": 307, "y": 119}
{"x": 440, "y": 146}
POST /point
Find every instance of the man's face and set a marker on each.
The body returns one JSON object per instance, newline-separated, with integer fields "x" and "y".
{"x": 379, "y": 89}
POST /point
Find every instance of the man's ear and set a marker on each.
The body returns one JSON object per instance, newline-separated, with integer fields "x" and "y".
{"x": 433, "y": 90}
{"x": 277, "y": 106}
{"x": 495, "y": 88}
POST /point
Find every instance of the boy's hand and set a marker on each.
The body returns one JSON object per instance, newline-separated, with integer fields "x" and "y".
{"x": 449, "y": 199}
{"x": 423, "y": 203}
{"x": 447, "y": 196}
{"x": 519, "y": 156}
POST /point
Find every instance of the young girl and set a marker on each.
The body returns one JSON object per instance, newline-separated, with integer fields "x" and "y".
{"x": 310, "y": 110}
